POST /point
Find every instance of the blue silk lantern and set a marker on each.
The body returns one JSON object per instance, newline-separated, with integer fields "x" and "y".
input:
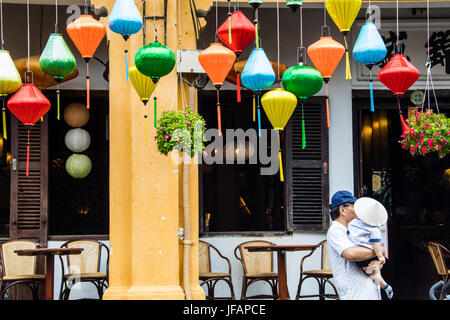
{"x": 369, "y": 49}
{"x": 257, "y": 75}
{"x": 126, "y": 20}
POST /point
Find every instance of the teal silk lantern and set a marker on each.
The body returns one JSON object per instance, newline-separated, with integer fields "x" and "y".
{"x": 369, "y": 50}
{"x": 126, "y": 20}
{"x": 294, "y": 4}
{"x": 257, "y": 75}
{"x": 255, "y": 3}
{"x": 304, "y": 82}
{"x": 78, "y": 166}
{"x": 57, "y": 61}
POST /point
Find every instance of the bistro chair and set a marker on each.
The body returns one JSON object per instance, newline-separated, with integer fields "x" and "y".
{"x": 84, "y": 267}
{"x": 207, "y": 276}
{"x": 322, "y": 276}
{"x": 257, "y": 266}
{"x": 439, "y": 253}
{"x": 17, "y": 269}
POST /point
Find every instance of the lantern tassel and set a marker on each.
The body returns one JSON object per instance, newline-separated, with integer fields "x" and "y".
{"x": 229, "y": 28}
{"x": 146, "y": 131}
{"x": 256, "y": 35}
{"x": 348, "y": 74}
{"x": 372, "y": 104}
{"x": 155, "y": 112}
{"x": 219, "y": 120}
{"x": 303, "y": 130}
{"x": 28, "y": 153}
{"x": 126, "y": 64}
{"x": 5, "y": 135}
{"x": 259, "y": 119}
{"x": 402, "y": 120}
{"x": 238, "y": 87}
{"x": 254, "y": 108}
{"x": 327, "y": 104}
{"x": 58, "y": 114}
{"x": 87, "y": 86}
{"x": 280, "y": 158}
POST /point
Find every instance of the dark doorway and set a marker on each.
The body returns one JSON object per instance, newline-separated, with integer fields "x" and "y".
{"x": 414, "y": 190}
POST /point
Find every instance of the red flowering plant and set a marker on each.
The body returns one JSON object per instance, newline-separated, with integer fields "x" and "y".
{"x": 427, "y": 132}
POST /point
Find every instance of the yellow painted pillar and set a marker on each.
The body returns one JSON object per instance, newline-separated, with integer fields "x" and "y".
{"x": 145, "y": 213}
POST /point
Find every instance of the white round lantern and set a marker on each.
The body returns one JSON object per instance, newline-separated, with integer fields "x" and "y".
{"x": 77, "y": 140}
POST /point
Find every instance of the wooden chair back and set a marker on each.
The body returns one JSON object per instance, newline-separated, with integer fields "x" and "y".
{"x": 255, "y": 263}
{"x": 204, "y": 257}
{"x": 325, "y": 258}
{"x": 89, "y": 259}
{"x": 435, "y": 250}
{"x": 15, "y": 265}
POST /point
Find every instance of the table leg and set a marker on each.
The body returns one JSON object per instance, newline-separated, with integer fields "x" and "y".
{"x": 283, "y": 292}
{"x": 49, "y": 277}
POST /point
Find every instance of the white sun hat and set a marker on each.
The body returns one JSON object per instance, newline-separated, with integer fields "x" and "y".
{"x": 370, "y": 211}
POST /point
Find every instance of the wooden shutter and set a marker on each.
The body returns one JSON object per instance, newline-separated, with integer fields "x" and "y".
{"x": 307, "y": 176}
{"x": 29, "y": 195}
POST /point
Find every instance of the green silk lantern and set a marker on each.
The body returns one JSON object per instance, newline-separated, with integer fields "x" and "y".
{"x": 10, "y": 82}
{"x": 155, "y": 60}
{"x": 304, "y": 82}
{"x": 57, "y": 61}
{"x": 78, "y": 166}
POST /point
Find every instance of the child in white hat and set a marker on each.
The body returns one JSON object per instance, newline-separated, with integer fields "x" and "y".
{"x": 364, "y": 231}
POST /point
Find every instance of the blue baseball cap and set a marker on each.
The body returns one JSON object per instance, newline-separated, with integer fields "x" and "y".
{"x": 341, "y": 197}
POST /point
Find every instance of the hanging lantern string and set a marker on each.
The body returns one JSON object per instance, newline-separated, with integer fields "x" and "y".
{"x": 56, "y": 16}
{"x": 398, "y": 36}
{"x": 154, "y": 21}
{"x": 217, "y": 22}
{"x": 28, "y": 35}
{"x": 428, "y": 66}
{"x": 301, "y": 27}
{"x": 229, "y": 23}
{"x": 86, "y": 10}
{"x": 143, "y": 22}
{"x": 1, "y": 17}
{"x": 324, "y": 13}
{"x": 278, "y": 45}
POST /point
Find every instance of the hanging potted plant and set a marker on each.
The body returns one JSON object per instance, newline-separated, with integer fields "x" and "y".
{"x": 181, "y": 130}
{"x": 427, "y": 132}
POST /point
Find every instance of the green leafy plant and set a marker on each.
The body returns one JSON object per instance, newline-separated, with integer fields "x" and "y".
{"x": 427, "y": 132}
{"x": 182, "y": 130}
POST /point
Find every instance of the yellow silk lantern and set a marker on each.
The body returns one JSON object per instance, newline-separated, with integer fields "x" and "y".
{"x": 279, "y": 104}
{"x": 10, "y": 82}
{"x": 144, "y": 87}
{"x": 343, "y": 13}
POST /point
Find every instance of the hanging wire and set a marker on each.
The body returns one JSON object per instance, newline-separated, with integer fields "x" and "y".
{"x": 154, "y": 21}
{"x": 56, "y": 16}
{"x": 278, "y": 44}
{"x": 86, "y": 10}
{"x": 398, "y": 35}
{"x": 301, "y": 26}
{"x": 28, "y": 35}
{"x": 1, "y": 17}
{"x": 217, "y": 22}
{"x": 324, "y": 13}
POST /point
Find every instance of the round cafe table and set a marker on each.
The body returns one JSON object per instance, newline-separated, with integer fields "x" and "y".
{"x": 49, "y": 254}
{"x": 283, "y": 293}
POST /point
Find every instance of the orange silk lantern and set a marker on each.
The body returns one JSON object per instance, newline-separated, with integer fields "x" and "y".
{"x": 86, "y": 33}
{"x": 217, "y": 61}
{"x": 325, "y": 54}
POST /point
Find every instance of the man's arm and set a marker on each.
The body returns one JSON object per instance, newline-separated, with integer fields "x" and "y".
{"x": 358, "y": 253}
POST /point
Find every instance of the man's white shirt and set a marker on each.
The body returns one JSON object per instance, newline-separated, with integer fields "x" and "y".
{"x": 350, "y": 281}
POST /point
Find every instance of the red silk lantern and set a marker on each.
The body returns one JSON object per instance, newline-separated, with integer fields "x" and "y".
{"x": 237, "y": 32}
{"x": 217, "y": 61}
{"x": 86, "y": 33}
{"x": 28, "y": 105}
{"x": 325, "y": 54}
{"x": 398, "y": 75}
